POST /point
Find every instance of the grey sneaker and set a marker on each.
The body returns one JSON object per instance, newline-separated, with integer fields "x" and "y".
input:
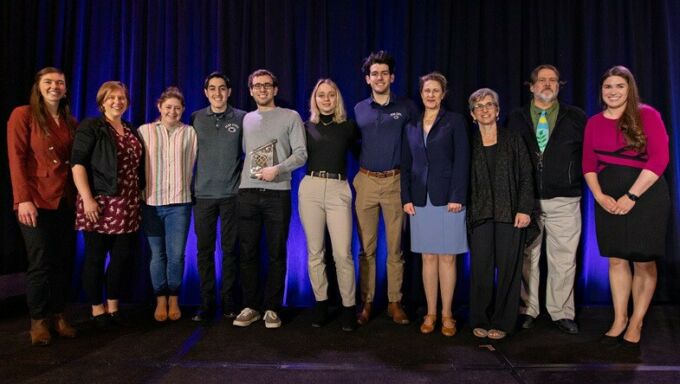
{"x": 271, "y": 320}
{"x": 246, "y": 317}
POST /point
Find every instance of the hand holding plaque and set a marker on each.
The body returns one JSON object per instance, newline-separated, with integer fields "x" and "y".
{"x": 262, "y": 157}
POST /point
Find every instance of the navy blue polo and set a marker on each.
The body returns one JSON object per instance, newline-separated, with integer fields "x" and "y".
{"x": 381, "y": 128}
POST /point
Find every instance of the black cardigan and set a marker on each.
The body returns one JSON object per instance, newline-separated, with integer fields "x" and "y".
{"x": 512, "y": 189}
{"x": 94, "y": 148}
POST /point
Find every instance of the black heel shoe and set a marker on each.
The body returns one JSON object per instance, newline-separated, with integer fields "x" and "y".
{"x": 611, "y": 341}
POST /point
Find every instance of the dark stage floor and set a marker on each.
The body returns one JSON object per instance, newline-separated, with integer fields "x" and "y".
{"x": 184, "y": 352}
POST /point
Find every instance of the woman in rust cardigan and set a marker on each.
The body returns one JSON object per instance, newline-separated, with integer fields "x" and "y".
{"x": 39, "y": 140}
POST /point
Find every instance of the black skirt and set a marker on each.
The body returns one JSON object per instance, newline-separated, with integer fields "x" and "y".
{"x": 639, "y": 235}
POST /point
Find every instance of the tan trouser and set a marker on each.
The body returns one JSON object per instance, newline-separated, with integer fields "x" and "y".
{"x": 560, "y": 222}
{"x": 373, "y": 195}
{"x": 328, "y": 202}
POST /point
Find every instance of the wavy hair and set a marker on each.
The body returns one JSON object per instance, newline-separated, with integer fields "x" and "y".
{"x": 630, "y": 122}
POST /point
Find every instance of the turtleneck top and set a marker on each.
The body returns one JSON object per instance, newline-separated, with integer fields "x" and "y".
{"x": 328, "y": 143}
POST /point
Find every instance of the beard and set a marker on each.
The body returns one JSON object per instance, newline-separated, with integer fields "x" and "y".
{"x": 547, "y": 97}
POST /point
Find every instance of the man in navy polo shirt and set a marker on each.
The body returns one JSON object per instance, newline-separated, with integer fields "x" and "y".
{"x": 381, "y": 118}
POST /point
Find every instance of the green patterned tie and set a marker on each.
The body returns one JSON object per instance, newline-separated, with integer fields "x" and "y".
{"x": 542, "y": 131}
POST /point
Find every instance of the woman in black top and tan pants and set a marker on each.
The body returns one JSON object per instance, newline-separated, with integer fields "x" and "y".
{"x": 325, "y": 199}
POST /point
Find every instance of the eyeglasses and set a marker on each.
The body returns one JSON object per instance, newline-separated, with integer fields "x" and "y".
{"x": 479, "y": 107}
{"x": 265, "y": 86}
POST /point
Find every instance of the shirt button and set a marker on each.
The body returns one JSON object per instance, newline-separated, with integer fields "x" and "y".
{"x": 51, "y": 148}
{"x": 55, "y": 161}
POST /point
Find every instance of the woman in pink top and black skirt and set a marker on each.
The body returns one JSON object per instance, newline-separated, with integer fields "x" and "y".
{"x": 625, "y": 152}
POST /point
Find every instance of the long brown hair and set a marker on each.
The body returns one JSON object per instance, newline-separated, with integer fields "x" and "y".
{"x": 630, "y": 123}
{"x": 37, "y": 103}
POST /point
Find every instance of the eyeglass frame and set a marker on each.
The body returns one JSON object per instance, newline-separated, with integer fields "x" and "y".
{"x": 489, "y": 105}
{"x": 261, "y": 86}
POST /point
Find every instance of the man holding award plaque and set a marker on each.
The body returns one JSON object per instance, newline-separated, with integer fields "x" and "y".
{"x": 274, "y": 144}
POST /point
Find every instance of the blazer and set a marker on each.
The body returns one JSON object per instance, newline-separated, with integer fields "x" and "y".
{"x": 94, "y": 147}
{"x": 439, "y": 167}
{"x": 39, "y": 164}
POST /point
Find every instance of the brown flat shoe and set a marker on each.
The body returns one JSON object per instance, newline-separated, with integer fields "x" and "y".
{"x": 428, "y": 324}
{"x": 63, "y": 328}
{"x": 448, "y": 326}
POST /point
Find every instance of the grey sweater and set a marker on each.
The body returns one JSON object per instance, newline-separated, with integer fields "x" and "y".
{"x": 284, "y": 126}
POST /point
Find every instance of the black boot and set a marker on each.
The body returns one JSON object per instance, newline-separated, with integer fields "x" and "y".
{"x": 320, "y": 314}
{"x": 348, "y": 318}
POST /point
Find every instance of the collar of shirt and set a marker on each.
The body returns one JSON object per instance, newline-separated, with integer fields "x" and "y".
{"x": 550, "y": 114}
{"x": 210, "y": 112}
{"x": 389, "y": 101}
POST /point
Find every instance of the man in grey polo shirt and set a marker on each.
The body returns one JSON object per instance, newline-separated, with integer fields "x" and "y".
{"x": 218, "y": 166}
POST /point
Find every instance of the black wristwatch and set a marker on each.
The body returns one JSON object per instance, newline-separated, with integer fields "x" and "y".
{"x": 632, "y": 196}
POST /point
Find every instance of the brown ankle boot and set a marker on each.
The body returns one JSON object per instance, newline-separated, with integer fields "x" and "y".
{"x": 161, "y": 313}
{"x": 365, "y": 314}
{"x": 397, "y": 314}
{"x": 63, "y": 328}
{"x": 174, "y": 313}
{"x": 40, "y": 332}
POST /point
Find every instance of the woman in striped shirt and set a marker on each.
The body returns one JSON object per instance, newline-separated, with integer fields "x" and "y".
{"x": 170, "y": 148}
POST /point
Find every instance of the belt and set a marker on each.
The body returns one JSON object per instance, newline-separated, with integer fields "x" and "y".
{"x": 326, "y": 175}
{"x": 380, "y": 175}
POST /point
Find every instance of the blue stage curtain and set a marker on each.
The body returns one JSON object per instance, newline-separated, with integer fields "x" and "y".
{"x": 152, "y": 44}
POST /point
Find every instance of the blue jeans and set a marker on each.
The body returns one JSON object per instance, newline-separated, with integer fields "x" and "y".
{"x": 166, "y": 228}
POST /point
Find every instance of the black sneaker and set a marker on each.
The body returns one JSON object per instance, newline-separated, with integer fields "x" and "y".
{"x": 320, "y": 314}
{"x": 348, "y": 318}
{"x": 229, "y": 314}
{"x": 203, "y": 316}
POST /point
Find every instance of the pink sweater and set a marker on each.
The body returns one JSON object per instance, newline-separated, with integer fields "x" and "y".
{"x": 604, "y": 144}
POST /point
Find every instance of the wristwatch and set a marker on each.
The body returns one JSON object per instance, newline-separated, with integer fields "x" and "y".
{"x": 633, "y": 197}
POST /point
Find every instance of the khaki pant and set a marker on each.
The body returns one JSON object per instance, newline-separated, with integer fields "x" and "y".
{"x": 373, "y": 195}
{"x": 327, "y": 202}
{"x": 560, "y": 222}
